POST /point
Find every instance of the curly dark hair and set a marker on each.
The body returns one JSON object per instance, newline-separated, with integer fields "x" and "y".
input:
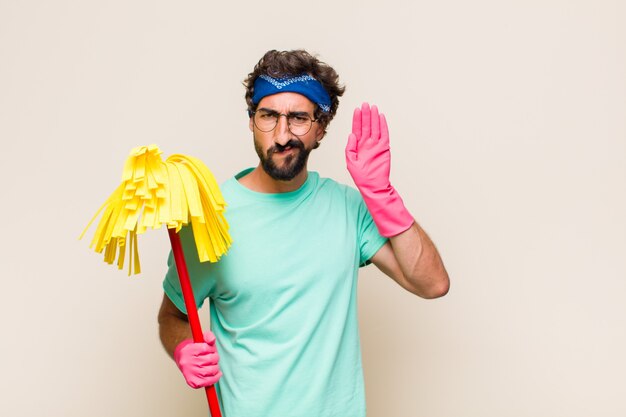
{"x": 281, "y": 64}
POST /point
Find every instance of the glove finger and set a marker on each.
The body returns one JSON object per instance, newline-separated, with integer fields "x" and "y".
{"x": 198, "y": 349}
{"x": 199, "y": 381}
{"x": 208, "y": 360}
{"x": 191, "y": 350}
{"x": 356, "y": 122}
{"x": 209, "y": 371}
{"x": 351, "y": 148}
{"x": 209, "y": 337}
{"x": 384, "y": 132}
{"x": 194, "y": 383}
{"x": 209, "y": 348}
{"x": 375, "y": 124}
{"x": 366, "y": 126}
{"x": 213, "y": 379}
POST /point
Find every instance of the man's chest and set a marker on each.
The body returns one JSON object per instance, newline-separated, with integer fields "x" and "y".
{"x": 299, "y": 248}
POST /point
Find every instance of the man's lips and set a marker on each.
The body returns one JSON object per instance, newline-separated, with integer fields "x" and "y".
{"x": 287, "y": 148}
{"x": 285, "y": 151}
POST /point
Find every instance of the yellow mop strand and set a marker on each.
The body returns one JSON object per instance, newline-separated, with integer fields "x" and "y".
{"x": 176, "y": 192}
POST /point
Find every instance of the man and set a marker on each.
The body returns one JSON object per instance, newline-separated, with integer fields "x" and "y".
{"x": 283, "y": 299}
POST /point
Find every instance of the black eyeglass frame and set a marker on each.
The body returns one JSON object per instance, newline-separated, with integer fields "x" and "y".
{"x": 251, "y": 113}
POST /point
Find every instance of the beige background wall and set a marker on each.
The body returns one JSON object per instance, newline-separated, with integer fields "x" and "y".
{"x": 508, "y": 138}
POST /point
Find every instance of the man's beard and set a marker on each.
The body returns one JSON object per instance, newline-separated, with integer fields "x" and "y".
{"x": 292, "y": 164}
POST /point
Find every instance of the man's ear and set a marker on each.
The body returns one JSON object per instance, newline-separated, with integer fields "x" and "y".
{"x": 319, "y": 135}
{"x": 251, "y": 125}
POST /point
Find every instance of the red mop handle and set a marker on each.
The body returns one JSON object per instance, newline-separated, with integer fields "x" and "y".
{"x": 192, "y": 312}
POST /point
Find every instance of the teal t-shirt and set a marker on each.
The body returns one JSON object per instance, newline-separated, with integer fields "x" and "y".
{"x": 284, "y": 299}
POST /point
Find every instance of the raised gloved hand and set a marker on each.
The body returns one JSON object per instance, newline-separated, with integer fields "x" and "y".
{"x": 198, "y": 361}
{"x": 369, "y": 162}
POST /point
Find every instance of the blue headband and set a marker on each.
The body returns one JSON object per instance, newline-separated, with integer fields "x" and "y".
{"x": 304, "y": 84}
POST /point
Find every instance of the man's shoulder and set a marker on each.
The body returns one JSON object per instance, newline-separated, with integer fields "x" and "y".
{"x": 327, "y": 182}
{"x": 231, "y": 184}
{"x": 237, "y": 175}
{"x": 335, "y": 187}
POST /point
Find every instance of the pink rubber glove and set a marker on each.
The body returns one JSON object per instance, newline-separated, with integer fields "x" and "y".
{"x": 369, "y": 162}
{"x": 198, "y": 361}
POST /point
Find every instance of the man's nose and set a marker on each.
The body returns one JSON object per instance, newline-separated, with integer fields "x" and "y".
{"x": 282, "y": 135}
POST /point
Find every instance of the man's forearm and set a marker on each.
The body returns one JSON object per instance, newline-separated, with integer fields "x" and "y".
{"x": 173, "y": 326}
{"x": 420, "y": 262}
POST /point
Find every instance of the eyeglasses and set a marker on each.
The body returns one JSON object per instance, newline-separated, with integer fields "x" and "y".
{"x": 299, "y": 123}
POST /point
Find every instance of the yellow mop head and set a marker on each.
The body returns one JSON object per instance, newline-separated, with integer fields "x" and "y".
{"x": 176, "y": 192}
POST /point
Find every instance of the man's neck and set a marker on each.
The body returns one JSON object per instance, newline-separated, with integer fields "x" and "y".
{"x": 258, "y": 180}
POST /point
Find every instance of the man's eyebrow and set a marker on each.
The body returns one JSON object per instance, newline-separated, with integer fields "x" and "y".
{"x": 265, "y": 109}
{"x": 299, "y": 113}
{"x": 291, "y": 113}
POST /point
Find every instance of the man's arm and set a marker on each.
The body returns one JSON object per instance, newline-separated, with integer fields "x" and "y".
{"x": 173, "y": 326}
{"x": 412, "y": 260}
{"x": 198, "y": 362}
{"x": 410, "y": 257}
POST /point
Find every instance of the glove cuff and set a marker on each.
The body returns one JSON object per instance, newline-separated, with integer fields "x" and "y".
{"x": 388, "y": 211}
{"x": 180, "y": 347}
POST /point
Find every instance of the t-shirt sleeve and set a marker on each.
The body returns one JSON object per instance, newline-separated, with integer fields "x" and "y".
{"x": 199, "y": 274}
{"x": 370, "y": 241}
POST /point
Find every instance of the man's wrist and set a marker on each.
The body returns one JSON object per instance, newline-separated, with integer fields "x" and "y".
{"x": 180, "y": 347}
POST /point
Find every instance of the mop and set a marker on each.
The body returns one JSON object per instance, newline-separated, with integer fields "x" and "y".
{"x": 176, "y": 192}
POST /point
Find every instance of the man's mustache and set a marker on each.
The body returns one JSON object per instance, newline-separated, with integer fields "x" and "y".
{"x": 293, "y": 143}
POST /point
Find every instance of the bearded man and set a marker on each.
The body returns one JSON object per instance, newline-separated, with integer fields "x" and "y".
{"x": 283, "y": 300}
